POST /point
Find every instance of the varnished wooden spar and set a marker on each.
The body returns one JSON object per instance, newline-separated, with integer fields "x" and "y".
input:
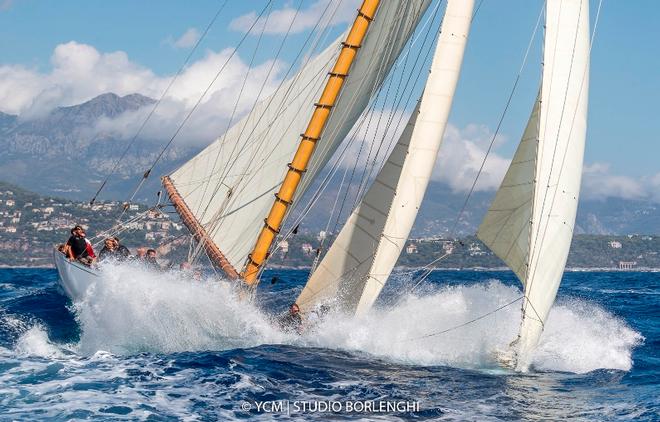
{"x": 197, "y": 230}
{"x": 317, "y": 122}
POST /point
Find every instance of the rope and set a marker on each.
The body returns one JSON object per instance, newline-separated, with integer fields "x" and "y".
{"x": 452, "y": 231}
{"x": 456, "y": 327}
{"x": 144, "y": 123}
{"x": 198, "y": 102}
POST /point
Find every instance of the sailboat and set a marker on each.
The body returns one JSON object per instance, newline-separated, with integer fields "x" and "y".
{"x": 236, "y": 193}
{"x": 530, "y": 222}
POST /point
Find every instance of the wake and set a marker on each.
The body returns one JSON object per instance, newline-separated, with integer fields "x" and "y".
{"x": 132, "y": 310}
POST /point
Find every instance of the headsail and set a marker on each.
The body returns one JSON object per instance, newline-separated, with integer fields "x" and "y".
{"x": 228, "y": 187}
{"x": 358, "y": 263}
{"x": 530, "y": 223}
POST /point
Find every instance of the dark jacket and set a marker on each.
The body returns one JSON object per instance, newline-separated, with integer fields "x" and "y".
{"x": 78, "y": 246}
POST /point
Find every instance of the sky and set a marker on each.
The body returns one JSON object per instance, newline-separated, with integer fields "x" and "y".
{"x": 63, "y": 53}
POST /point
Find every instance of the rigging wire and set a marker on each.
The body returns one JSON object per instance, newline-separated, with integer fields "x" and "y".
{"x": 198, "y": 102}
{"x": 157, "y": 103}
{"x": 428, "y": 269}
{"x": 200, "y": 245}
{"x": 389, "y": 84}
{"x": 237, "y": 189}
{"x": 262, "y": 137}
{"x": 536, "y": 248}
{"x": 397, "y": 99}
{"x": 342, "y": 154}
{"x": 456, "y": 327}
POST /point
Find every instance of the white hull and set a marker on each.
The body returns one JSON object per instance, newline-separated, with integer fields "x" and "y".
{"x": 75, "y": 277}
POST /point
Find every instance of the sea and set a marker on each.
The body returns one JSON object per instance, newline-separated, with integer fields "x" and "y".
{"x": 167, "y": 346}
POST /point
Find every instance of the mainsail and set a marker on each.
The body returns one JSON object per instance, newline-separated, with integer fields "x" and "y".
{"x": 360, "y": 260}
{"x": 224, "y": 193}
{"x": 530, "y": 222}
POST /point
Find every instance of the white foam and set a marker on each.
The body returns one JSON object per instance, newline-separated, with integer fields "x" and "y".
{"x": 131, "y": 309}
{"x": 35, "y": 342}
{"x": 579, "y": 336}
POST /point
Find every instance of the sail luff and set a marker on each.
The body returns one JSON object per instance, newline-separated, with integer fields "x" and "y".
{"x": 564, "y": 100}
{"x": 313, "y": 133}
{"x": 359, "y": 262}
{"x": 530, "y": 223}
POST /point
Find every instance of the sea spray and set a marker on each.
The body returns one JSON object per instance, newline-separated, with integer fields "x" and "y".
{"x": 132, "y": 309}
{"x": 44, "y": 375}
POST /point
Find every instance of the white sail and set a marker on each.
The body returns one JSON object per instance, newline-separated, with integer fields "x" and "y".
{"x": 229, "y": 186}
{"x": 506, "y": 227}
{"x": 360, "y": 260}
{"x": 561, "y": 132}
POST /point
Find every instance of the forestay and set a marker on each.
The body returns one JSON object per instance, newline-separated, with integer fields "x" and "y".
{"x": 229, "y": 186}
{"x": 533, "y": 234}
{"x": 360, "y": 260}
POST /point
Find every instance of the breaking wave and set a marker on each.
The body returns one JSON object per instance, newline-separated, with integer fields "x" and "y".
{"x": 132, "y": 310}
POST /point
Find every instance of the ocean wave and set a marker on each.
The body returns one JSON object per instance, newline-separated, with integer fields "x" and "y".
{"x": 132, "y": 310}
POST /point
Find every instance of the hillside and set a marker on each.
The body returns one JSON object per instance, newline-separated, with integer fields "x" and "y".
{"x": 56, "y": 156}
{"x": 31, "y": 224}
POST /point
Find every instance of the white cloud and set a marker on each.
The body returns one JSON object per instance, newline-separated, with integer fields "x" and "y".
{"x": 459, "y": 159}
{"x": 80, "y": 72}
{"x": 278, "y": 21}
{"x": 461, "y": 155}
{"x": 598, "y": 182}
{"x": 188, "y": 39}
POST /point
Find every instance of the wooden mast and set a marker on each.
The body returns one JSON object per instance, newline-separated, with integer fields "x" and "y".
{"x": 333, "y": 86}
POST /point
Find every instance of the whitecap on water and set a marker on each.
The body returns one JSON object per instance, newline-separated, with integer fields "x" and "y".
{"x": 579, "y": 336}
{"x": 132, "y": 309}
{"x": 35, "y": 342}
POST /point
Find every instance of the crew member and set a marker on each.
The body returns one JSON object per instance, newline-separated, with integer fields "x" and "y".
{"x": 122, "y": 251}
{"x": 109, "y": 250}
{"x": 79, "y": 248}
{"x": 150, "y": 259}
{"x": 292, "y": 321}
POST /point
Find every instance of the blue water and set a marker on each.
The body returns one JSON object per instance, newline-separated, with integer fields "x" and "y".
{"x": 149, "y": 346}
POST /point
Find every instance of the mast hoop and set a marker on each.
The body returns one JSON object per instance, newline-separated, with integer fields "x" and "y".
{"x": 362, "y": 14}
{"x": 284, "y": 201}
{"x": 352, "y": 46}
{"x": 292, "y": 168}
{"x": 269, "y": 227}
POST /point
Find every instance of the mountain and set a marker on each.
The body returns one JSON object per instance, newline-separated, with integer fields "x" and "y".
{"x": 56, "y": 156}
{"x": 6, "y": 121}
{"x": 59, "y": 155}
{"x": 441, "y": 206}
